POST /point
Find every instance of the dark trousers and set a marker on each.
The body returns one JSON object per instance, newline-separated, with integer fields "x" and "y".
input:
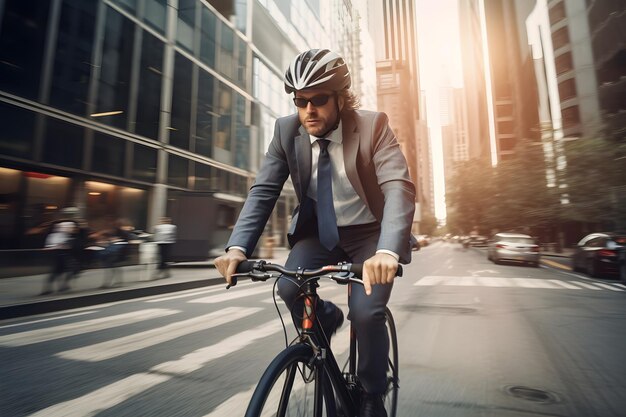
{"x": 367, "y": 313}
{"x": 164, "y": 255}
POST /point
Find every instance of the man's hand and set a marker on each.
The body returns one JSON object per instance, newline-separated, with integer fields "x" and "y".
{"x": 227, "y": 263}
{"x": 379, "y": 269}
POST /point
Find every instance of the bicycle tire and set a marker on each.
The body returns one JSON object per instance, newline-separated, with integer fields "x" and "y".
{"x": 393, "y": 373}
{"x": 283, "y": 390}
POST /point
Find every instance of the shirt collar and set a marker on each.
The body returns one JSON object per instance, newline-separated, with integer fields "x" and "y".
{"x": 335, "y": 135}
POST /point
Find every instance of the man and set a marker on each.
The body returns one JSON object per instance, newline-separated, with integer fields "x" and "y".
{"x": 356, "y": 204}
{"x": 165, "y": 237}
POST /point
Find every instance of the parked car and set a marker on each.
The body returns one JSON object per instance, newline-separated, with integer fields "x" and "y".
{"x": 599, "y": 254}
{"x": 513, "y": 247}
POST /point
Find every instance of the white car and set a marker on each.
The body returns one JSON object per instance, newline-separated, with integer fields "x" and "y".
{"x": 513, "y": 247}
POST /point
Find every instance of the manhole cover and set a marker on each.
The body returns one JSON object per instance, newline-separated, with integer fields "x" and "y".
{"x": 531, "y": 394}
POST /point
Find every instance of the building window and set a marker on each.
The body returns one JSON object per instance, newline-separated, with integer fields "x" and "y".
{"x": 181, "y": 103}
{"x": 144, "y": 163}
{"x": 567, "y": 89}
{"x": 506, "y": 144}
{"x": 16, "y": 135}
{"x": 560, "y": 38}
{"x": 155, "y": 14}
{"x": 222, "y": 144}
{"x": 114, "y": 83}
{"x": 186, "y": 23}
{"x": 205, "y": 177}
{"x": 571, "y": 117}
{"x": 177, "y": 171}
{"x": 505, "y": 127}
{"x": 557, "y": 13}
{"x": 563, "y": 63}
{"x": 207, "y": 37}
{"x": 63, "y": 143}
{"x": 226, "y": 63}
{"x": 72, "y": 59}
{"x": 205, "y": 113}
{"x": 149, "y": 97}
{"x": 109, "y": 154}
{"x": 22, "y": 40}
{"x": 242, "y": 134}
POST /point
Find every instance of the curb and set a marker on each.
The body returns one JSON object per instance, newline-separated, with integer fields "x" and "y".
{"x": 60, "y": 304}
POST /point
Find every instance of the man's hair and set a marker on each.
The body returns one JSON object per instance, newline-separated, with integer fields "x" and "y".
{"x": 350, "y": 100}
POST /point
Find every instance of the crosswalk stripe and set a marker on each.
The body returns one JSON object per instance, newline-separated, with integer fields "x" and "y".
{"x": 113, "y": 394}
{"x": 228, "y": 295}
{"x": 106, "y": 397}
{"x": 49, "y": 319}
{"x": 234, "y": 405}
{"x": 588, "y": 286}
{"x": 564, "y": 284}
{"x": 620, "y": 285}
{"x": 131, "y": 343}
{"x": 200, "y": 357}
{"x": 73, "y": 329}
{"x": 434, "y": 280}
{"x": 192, "y": 293}
{"x": 608, "y": 287}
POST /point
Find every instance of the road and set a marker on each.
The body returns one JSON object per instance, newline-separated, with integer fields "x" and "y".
{"x": 476, "y": 339}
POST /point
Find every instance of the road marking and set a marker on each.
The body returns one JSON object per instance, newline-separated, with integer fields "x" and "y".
{"x": 49, "y": 319}
{"x": 113, "y": 394}
{"x": 608, "y": 287}
{"x": 193, "y": 293}
{"x": 434, "y": 280}
{"x": 234, "y": 405}
{"x": 200, "y": 357}
{"x": 73, "y": 329}
{"x": 620, "y": 285}
{"x": 106, "y": 397}
{"x": 131, "y": 343}
{"x": 565, "y": 284}
{"x": 588, "y": 286}
{"x": 556, "y": 264}
{"x": 227, "y": 296}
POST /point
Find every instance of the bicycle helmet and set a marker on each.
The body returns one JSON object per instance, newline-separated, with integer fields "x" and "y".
{"x": 317, "y": 68}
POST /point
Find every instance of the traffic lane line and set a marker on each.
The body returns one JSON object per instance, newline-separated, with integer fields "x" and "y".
{"x": 556, "y": 264}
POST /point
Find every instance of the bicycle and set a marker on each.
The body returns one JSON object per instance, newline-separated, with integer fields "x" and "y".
{"x": 305, "y": 379}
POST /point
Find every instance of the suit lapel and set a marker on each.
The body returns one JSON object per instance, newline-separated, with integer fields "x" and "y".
{"x": 351, "y": 143}
{"x": 303, "y": 159}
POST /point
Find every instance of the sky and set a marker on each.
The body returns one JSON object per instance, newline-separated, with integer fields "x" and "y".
{"x": 439, "y": 66}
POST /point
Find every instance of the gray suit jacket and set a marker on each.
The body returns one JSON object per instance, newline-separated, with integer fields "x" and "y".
{"x": 374, "y": 165}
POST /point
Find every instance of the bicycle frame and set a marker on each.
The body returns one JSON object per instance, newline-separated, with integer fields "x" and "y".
{"x": 325, "y": 360}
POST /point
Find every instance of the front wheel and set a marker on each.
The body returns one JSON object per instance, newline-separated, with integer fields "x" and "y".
{"x": 393, "y": 376}
{"x": 287, "y": 388}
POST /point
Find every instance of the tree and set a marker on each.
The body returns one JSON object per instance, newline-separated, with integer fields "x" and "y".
{"x": 596, "y": 182}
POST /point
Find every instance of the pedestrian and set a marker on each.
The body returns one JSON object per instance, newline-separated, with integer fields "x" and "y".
{"x": 164, "y": 237}
{"x": 116, "y": 241}
{"x": 356, "y": 204}
{"x": 59, "y": 241}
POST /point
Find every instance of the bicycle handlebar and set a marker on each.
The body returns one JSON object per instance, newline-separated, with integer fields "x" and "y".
{"x": 248, "y": 268}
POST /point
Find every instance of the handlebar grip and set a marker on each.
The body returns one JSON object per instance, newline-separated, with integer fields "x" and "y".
{"x": 245, "y": 267}
{"x": 357, "y": 270}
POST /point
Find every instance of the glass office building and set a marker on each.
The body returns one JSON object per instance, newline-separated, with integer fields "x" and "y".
{"x": 119, "y": 106}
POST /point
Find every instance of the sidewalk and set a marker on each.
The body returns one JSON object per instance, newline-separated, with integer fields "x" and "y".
{"x": 20, "y": 296}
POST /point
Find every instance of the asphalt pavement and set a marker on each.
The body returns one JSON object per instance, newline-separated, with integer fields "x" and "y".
{"x": 21, "y": 296}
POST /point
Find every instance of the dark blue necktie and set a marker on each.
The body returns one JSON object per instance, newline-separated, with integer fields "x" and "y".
{"x": 326, "y": 219}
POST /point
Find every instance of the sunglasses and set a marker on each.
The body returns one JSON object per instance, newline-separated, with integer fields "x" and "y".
{"x": 317, "y": 101}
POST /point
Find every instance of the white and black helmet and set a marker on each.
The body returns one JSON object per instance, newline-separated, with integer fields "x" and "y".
{"x": 317, "y": 68}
